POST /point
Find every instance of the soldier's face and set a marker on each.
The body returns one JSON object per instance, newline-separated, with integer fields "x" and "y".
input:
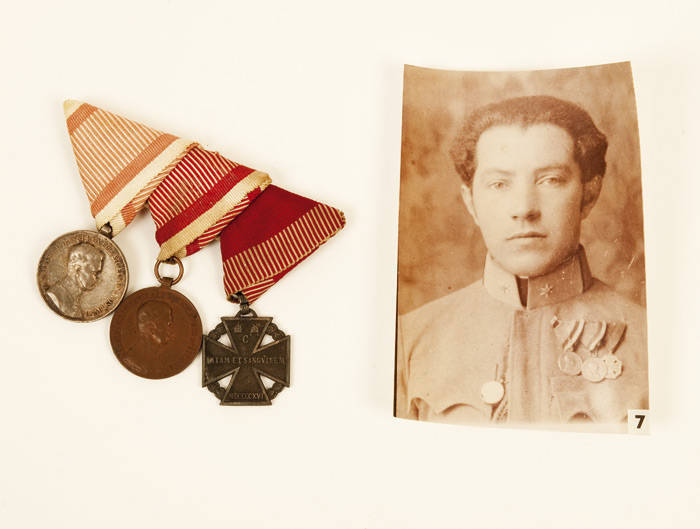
{"x": 526, "y": 197}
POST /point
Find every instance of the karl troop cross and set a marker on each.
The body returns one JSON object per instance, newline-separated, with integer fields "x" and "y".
{"x": 246, "y": 361}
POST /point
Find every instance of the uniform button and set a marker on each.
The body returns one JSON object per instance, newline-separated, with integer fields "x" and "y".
{"x": 492, "y": 392}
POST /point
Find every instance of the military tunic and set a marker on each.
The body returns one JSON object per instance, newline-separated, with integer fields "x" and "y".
{"x": 448, "y": 348}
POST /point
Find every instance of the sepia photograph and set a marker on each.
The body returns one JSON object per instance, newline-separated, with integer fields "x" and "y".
{"x": 503, "y": 335}
{"x": 521, "y": 278}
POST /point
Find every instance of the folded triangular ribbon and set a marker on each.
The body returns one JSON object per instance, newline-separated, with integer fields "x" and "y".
{"x": 198, "y": 198}
{"x": 193, "y": 195}
{"x": 120, "y": 161}
{"x": 273, "y": 235}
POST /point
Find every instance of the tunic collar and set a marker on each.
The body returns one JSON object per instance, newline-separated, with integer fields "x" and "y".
{"x": 569, "y": 279}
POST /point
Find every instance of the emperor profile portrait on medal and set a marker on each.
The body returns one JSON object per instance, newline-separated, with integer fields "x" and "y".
{"x": 82, "y": 276}
{"x": 508, "y": 187}
{"x": 156, "y": 332}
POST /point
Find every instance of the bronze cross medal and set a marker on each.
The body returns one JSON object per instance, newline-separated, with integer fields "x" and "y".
{"x": 246, "y": 361}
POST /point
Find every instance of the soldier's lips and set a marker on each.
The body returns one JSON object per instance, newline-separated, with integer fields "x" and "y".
{"x": 527, "y": 235}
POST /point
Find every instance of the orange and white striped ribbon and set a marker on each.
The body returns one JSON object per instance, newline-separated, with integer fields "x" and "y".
{"x": 120, "y": 161}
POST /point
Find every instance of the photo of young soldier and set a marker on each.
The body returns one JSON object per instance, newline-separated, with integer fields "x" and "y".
{"x": 521, "y": 281}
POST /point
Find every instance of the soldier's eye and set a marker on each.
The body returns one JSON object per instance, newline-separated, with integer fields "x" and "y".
{"x": 497, "y": 184}
{"x": 551, "y": 180}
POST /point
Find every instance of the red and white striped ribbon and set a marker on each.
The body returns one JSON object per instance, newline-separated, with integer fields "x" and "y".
{"x": 277, "y": 232}
{"x": 194, "y": 196}
{"x": 198, "y": 198}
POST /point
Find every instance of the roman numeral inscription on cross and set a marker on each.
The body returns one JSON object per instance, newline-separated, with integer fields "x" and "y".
{"x": 246, "y": 361}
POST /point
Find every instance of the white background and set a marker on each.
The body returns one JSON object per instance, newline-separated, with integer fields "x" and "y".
{"x": 311, "y": 93}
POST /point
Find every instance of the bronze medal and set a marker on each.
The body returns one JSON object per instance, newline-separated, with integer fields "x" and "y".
{"x": 247, "y": 362}
{"x": 613, "y": 365}
{"x": 83, "y": 275}
{"x": 156, "y": 332}
{"x": 594, "y": 369}
{"x": 570, "y": 363}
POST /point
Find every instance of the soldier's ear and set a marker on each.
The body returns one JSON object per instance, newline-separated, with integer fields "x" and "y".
{"x": 591, "y": 191}
{"x": 468, "y": 200}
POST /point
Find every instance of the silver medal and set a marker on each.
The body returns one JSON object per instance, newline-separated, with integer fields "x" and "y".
{"x": 570, "y": 363}
{"x": 82, "y": 276}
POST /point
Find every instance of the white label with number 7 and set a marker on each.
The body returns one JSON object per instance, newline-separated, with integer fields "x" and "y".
{"x": 638, "y": 422}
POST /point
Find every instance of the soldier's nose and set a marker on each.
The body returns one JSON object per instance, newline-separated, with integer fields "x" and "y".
{"x": 525, "y": 204}
{"x": 525, "y": 213}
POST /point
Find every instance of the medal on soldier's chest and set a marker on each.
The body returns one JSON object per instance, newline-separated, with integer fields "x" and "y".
{"x": 589, "y": 348}
{"x": 594, "y": 369}
{"x": 570, "y": 363}
{"x": 613, "y": 366}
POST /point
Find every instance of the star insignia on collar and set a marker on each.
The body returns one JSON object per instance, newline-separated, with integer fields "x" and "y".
{"x": 546, "y": 290}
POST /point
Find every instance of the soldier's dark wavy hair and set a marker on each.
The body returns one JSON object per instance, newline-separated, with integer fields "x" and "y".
{"x": 590, "y": 145}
